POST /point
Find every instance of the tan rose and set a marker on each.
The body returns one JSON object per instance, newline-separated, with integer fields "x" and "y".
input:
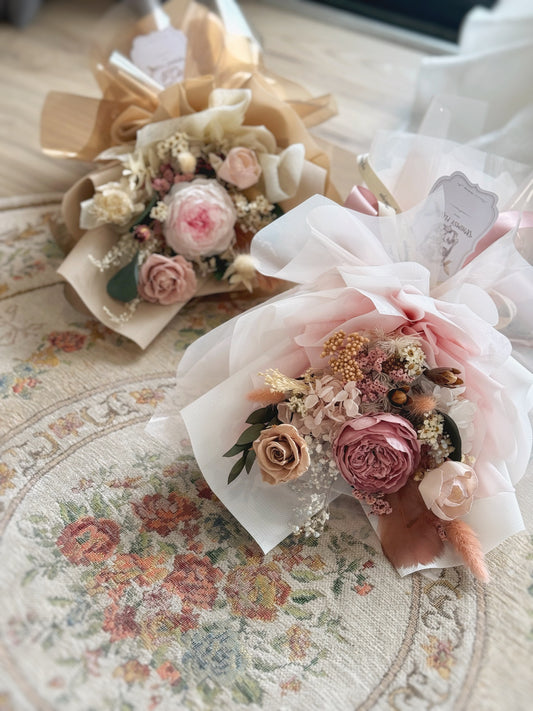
{"x": 449, "y": 489}
{"x": 281, "y": 454}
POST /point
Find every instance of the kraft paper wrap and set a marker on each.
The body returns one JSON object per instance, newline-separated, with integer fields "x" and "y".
{"x": 83, "y": 128}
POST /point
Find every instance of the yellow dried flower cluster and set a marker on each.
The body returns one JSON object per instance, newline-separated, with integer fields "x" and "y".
{"x": 342, "y": 351}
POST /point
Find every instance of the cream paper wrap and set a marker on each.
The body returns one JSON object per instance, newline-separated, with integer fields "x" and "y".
{"x": 345, "y": 275}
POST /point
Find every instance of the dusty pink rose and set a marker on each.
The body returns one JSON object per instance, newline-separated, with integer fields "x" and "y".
{"x": 377, "y": 453}
{"x": 166, "y": 280}
{"x": 449, "y": 489}
{"x": 240, "y": 168}
{"x": 281, "y": 454}
{"x": 200, "y": 218}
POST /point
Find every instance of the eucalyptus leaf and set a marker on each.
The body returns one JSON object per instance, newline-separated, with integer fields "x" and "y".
{"x": 123, "y": 285}
{"x": 251, "y": 433}
{"x": 264, "y": 414}
{"x": 249, "y": 461}
{"x": 236, "y": 469}
{"x": 145, "y": 213}
{"x": 236, "y": 449}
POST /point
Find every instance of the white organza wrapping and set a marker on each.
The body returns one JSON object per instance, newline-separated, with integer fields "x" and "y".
{"x": 345, "y": 275}
{"x": 494, "y": 67}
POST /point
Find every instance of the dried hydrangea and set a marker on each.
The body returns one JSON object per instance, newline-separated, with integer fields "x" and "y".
{"x": 328, "y": 403}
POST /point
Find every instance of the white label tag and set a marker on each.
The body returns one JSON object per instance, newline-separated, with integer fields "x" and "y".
{"x": 161, "y": 55}
{"x": 468, "y": 214}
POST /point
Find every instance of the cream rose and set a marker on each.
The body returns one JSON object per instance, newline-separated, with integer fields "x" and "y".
{"x": 200, "y": 218}
{"x": 449, "y": 489}
{"x": 166, "y": 280}
{"x": 281, "y": 453}
{"x": 240, "y": 168}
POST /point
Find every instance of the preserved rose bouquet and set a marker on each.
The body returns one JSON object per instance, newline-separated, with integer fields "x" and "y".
{"x": 188, "y": 171}
{"x": 185, "y": 203}
{"x": 370, "y": 380}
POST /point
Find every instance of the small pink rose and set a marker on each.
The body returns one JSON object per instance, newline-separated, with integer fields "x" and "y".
{"x": 166, "y": 280}
{"x": 281, "y": 453}
{"x": 240, "y": 168}
{"x": 449, "y": 489}
{"x": 377, "y": 453}
{"x": 200, "y": 218}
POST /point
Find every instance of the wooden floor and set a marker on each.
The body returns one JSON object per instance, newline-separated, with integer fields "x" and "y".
{"x": 372, "y": 80}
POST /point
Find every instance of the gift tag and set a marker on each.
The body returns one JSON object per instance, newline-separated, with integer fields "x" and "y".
{"x": 468, "y": 214}
{"x": 161, "y": 55}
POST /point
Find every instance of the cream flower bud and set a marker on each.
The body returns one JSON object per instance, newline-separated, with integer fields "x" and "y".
{"x": 187, "y": 162}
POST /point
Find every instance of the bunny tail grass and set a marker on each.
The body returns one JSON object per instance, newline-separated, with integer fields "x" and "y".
{"x": 466, "y": 543}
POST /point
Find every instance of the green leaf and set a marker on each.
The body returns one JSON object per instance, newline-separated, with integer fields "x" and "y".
{"x": 71, "y": 512}
{"x": 301, "y": 598}
{"x": 264, "y": 414}
{"x": 59, "y": 601}
{"x": 215, "y": 555}
{"x": 99, "y": 506}
{"x": 298, "y": 612}
{"x": 251, "y": 433}
{"x": 236, "y": 449}
{"x": 221, "y": 266}
{"x": 246, "y": 690}
{"x": 29, "y": 576}
{"x": 236, "y": 469}
{"x": 145, "y": 213}
{"x": 260, "y": 665}
{"x": 167, "y": 548}
{"x": 249, "y": 461}
{"x": 451, "y": 429}
{"x": 123, "y": 285}
{"x": 353, "y": 567}
{"x": 141, "y": 543}
{"x": 337, "y": 586}
{"x": 305, "y": 576}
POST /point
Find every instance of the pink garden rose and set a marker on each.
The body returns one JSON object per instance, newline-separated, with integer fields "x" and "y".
{"x": 166, "y": 280}
{"x": 281, "y": 453}
{"x": 200, "y": 218}
{"x": 449, "y": 489}
{"x": 240, "y": 168}
{"x": 377, "y": 453}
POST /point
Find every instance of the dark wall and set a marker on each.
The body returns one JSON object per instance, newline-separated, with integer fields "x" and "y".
{"x": 440, "y": 19}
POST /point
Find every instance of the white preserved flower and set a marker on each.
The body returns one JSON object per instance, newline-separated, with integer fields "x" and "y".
{"x": 111, "y": 204}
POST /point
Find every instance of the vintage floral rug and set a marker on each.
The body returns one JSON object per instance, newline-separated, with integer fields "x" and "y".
{"x": 126, "y": 585}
